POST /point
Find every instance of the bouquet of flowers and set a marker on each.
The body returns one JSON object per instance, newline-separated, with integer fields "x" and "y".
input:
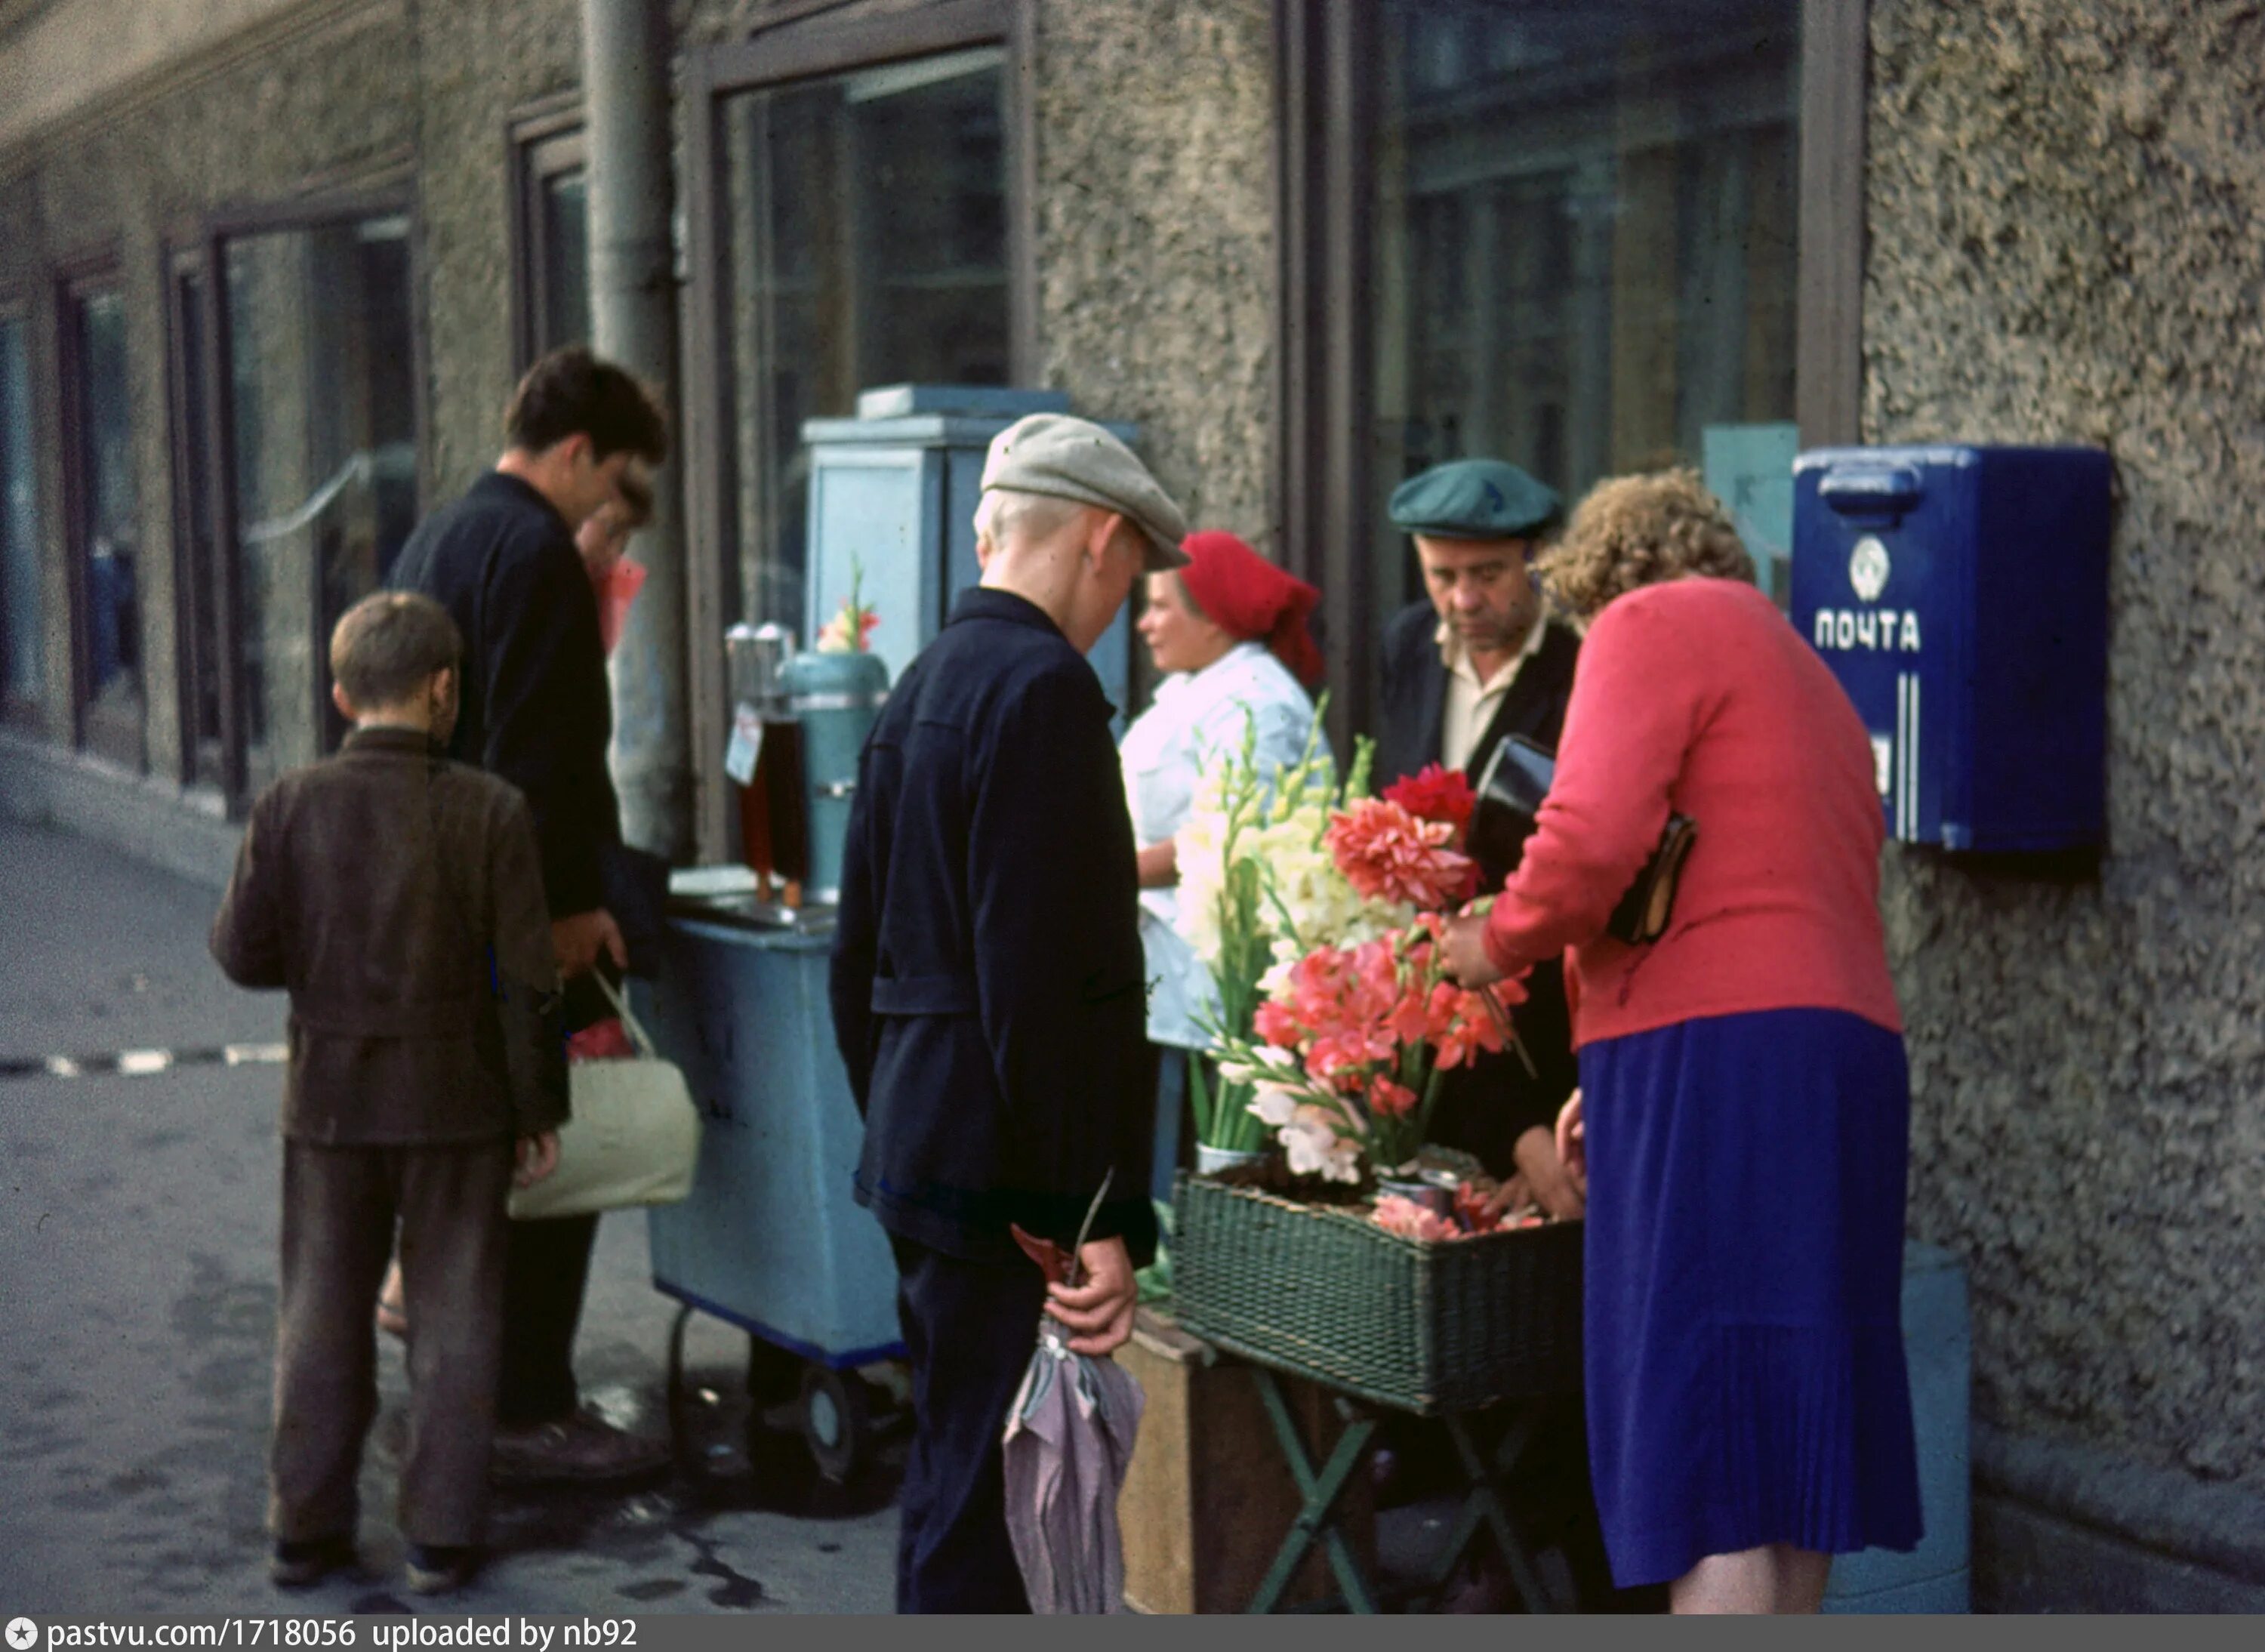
{"x": 1348, "y": 1030}
{"x": 850, "y": 631}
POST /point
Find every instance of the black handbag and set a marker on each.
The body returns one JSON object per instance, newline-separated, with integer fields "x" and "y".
{"x": 1511, "y": 791}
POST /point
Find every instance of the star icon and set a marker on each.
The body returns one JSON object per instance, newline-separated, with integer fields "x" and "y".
{"x": 23, "y": 1634}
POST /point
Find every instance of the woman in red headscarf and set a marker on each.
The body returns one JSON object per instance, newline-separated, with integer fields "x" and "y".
{"x": 1228, "y": 633}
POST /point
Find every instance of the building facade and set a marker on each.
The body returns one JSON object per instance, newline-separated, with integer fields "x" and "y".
{"x": 268, "y": 269}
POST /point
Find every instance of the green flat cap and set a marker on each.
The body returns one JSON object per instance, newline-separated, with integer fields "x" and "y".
{"x": 1074, "y": 458}
{"x": 1473, "y": 498}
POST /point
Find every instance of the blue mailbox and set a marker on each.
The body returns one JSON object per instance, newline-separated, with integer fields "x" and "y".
{"x": 1959, "y": 594}
{"x": 893, "y": 490}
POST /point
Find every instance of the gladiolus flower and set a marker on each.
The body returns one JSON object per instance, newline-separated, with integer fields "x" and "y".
{"x": 1387, "y": 854}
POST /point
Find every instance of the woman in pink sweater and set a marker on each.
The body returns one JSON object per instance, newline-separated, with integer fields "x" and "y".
{"x": 1743, "y": 1110}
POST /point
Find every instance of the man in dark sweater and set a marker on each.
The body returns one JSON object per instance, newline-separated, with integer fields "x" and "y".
{"x": 399, "y": 897}
{"x": 987, "y": 982}
{"x": 538, "y": 712}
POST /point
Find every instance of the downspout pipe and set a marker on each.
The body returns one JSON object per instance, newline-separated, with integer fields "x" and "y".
{"x": 625, "y": 86}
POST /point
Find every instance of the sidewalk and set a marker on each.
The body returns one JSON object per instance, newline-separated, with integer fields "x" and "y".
{"x": 137, "y": 1292}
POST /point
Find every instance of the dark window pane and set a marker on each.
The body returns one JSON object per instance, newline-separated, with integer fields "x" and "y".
{"x": 324, "y": 424}
{"x": 1584, "y": 242}
{"x": 107, "y": 522}
{"x": 21, "y": 641}
{"x": 868, "y": 245}
{"x": 565, "y": 300}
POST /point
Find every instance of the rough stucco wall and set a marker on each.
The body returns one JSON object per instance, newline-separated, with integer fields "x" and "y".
{"x": 2066, "y": 231}
{"x": 1155, "y": 236}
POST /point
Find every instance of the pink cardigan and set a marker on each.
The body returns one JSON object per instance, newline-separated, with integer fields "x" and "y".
{"x": 1697, "y": 696}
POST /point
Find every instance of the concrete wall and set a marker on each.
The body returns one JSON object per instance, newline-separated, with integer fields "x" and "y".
{"x": 2066, "y": 229}
{"x": 1155, "y": 163}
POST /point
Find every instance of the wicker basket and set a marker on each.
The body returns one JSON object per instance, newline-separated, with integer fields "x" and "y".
{"x": 1326, "y": 1293}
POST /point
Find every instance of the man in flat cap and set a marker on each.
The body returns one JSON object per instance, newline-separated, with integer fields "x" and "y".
{"x": 1482, "y": 660}
{"x": 987, "y": 981}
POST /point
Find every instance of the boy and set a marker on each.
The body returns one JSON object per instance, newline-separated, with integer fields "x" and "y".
{"x": 399, "y": 897}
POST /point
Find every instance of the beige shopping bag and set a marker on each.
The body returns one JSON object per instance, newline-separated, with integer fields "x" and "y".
{"x": 633, "y": 1138}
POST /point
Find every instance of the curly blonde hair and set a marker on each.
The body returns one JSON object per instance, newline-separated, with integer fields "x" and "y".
{"x": 1637, "y": 530}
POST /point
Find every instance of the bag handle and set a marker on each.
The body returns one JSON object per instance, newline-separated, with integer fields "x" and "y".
{"x": 620, "y": 1003}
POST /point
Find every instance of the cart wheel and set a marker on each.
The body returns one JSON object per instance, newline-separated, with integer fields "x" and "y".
{"x": 835, "y": 1424}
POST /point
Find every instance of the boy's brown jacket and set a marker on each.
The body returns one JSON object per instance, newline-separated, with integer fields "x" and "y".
{"x": 378, "y": 885}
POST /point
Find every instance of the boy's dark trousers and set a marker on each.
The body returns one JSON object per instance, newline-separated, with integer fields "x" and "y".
{"x": 339, "y": 1207}
{"x": 970, "y": 1329}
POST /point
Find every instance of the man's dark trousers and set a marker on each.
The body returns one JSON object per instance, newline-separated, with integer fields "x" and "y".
{"x": 339, "y": 1207}
{"x": 969, "y": 1329}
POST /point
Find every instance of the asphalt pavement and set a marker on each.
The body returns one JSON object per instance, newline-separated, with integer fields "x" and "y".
{"x": 137, "y": 1297}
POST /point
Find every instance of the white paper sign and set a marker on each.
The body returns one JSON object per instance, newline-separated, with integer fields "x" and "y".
{"x": 745, "y": 748}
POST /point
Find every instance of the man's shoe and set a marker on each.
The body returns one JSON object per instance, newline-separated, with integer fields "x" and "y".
{"x": 579, "y": 1450}
{"x": 296, "y": 1564}
{"x": 434, "y": 1570}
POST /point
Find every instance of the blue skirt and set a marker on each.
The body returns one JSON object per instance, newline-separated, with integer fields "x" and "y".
{"x": 1744, "y": 1359}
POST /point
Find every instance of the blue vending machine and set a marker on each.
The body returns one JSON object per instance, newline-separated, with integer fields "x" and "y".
{"x": 1959, "y": 594}
{"x": 892, "y": 495}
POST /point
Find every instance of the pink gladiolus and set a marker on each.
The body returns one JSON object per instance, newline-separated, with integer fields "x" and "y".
{"x": 1387, "y": 854}
{"x": 1391, "y": 1100}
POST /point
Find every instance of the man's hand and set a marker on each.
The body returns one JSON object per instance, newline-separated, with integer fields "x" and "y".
{"x": 1099, "y": 1313}
{"x": 538, "y": 1157}
{"x": 1572, "y": 1146}
{"x": 1464, "y": 942}
{"x": 576, "y": 940}
{"x": 1554, "y": 1187}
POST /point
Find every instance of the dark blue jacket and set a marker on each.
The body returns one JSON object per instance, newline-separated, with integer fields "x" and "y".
{"x": 986, "y": 983}
{"x": 535, "y": 709}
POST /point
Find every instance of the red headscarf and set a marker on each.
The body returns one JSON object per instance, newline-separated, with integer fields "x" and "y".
{"x": 1253, "y": 601}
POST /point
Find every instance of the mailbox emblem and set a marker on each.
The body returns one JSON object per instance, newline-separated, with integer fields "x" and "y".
{"x": 1869, "y": 568}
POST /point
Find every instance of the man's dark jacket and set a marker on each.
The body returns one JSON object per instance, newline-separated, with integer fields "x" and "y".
{"x": 397, "y": 896}
{"x": 536, "y": 709}
{"x": 987, "y": 979}
{"x": 1485, "y": 1109}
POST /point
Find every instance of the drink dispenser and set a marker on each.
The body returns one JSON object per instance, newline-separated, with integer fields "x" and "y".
{"x": 834, "y": 699}
{"x": 765, "y": 758}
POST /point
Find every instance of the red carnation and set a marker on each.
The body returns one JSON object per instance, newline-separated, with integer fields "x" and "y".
{"x": 1436, "y": 794}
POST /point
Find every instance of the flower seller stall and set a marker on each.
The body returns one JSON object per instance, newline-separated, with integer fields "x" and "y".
{"x": 1322, "y": 1238}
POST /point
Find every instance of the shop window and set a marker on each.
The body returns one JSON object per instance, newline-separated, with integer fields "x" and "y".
{"x": 322, "y": 432}
{"x": 863, "y": 243}
{"x": 105, "y": 524}
{"x": 23, "y": 644}
{"x": 552, "y": 231}
{"x": 1567, "y": 235}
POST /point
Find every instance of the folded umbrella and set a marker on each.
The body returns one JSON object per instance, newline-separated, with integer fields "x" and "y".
{"x": 1068, "y": 1442}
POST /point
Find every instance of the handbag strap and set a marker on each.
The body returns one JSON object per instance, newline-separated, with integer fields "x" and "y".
{"x": 620, "y": 1001}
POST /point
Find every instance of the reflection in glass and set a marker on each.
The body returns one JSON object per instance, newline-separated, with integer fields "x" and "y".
{"x": 1584, "y": 256}
{"x": 324, "y": 420}
{"x": 868, "y": 245}
{"x": 107, "y": 523}
{"x": 565, "y": 303}
{"x": 20, "y": 636}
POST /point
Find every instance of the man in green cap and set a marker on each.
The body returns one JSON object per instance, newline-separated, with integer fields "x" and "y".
{"x": 1479, "y": 661}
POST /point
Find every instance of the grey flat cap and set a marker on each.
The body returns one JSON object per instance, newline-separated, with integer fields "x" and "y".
{"x": 1070, "y": 458}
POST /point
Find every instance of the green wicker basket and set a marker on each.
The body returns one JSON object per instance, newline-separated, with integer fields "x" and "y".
{"x": 1324, "y": 1292}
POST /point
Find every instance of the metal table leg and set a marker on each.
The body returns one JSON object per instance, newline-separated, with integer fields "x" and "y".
{"x": 1317, "y": 1518}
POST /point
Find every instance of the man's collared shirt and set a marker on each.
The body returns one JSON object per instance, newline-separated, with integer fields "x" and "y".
{"x": 1471, "y": 703}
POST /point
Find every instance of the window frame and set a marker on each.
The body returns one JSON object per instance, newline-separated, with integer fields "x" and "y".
{"x": 816, "y": 44}
{"x": 543, "y": 141}
{"x": 98, "y": 736}
{"x": 180, "y": 257}
{"x": 385, "y": 198}
{"x": 29, "y": 716}
{"x": 1326, "y": 110}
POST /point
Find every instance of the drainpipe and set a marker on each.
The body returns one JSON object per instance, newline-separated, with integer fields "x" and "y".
{"x": 625, "y": 82}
